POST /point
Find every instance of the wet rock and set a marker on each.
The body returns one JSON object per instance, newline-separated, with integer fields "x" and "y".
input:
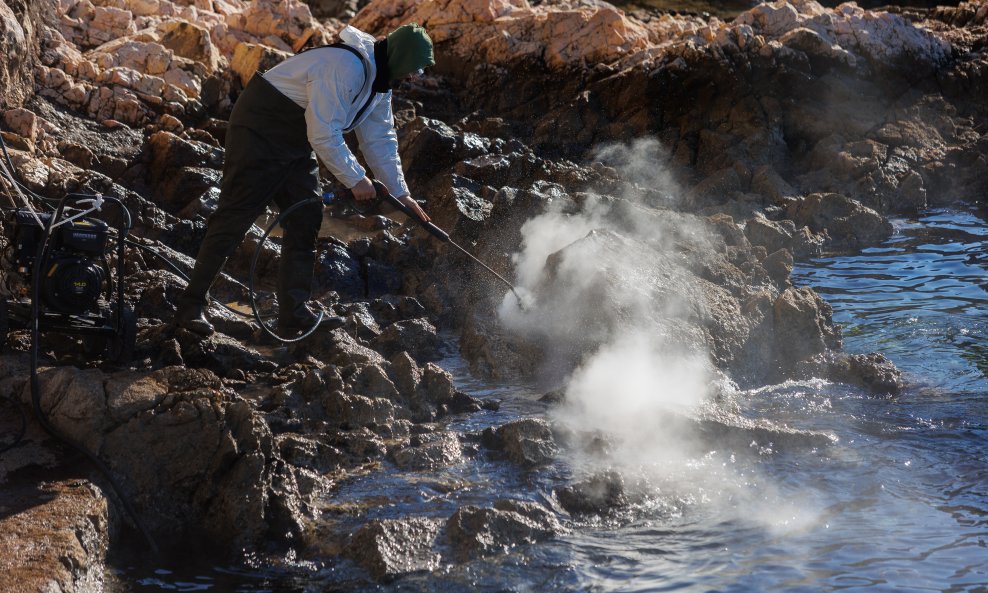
{"x": 597, "y": 495}
{"x": 389, "y": 548}
{"x": 873, "y": 371}
{"x": 436, "y": 386}
{"x": 429, "y": 452}
{"x": 362, "y": 444}
{"x": 354, "y": 411}
{"x": 336, "y": 347}
{"x": 372, "y": 381}
{"x": 527, "y": 442}
{"x": 220, "y": 353}
{"x": 416, "y": 336}
{"x": 194, "y": 460}
{"x": 849, "y": 223}
{"x": 405, "y": 374}
{"x": 475, "y": 531}
{"x": 721, "y": 427}
{"x": 461, "y": 403}
{"x": 337, "y": 269}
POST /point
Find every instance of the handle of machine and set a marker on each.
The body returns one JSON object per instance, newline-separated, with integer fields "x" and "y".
{"x": 384, "y": 194}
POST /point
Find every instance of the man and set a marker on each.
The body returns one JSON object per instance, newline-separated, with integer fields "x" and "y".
{"x": 306, "y": 103}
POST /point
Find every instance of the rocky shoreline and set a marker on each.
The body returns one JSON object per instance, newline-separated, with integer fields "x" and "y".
{"x": 690, "y": 160}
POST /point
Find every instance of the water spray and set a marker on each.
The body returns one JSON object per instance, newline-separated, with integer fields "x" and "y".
{"x": 384, "y": 195}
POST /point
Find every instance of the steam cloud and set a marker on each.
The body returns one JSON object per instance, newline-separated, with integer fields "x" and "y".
{"x": 614, "y": 306}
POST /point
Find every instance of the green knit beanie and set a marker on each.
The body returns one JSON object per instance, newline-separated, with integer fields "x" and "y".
{"x": 409, "y": 50}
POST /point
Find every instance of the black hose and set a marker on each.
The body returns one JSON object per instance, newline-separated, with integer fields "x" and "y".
{"x": 39, "y": 263}
{"x": 178, "y": 272}
{"x": 253, "y": 266}
{"x": 20, "y": 433}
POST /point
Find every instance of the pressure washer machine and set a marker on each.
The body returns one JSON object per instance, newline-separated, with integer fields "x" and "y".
{"x": 72, "y": 290}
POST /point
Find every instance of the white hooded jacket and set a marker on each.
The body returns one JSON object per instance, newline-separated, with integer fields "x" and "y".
{"x": 334, "y": 88}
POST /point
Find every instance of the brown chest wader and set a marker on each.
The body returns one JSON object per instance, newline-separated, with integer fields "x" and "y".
{"x": 268, "y": 158}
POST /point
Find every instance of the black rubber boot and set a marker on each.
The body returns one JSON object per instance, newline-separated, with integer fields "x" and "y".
{"x": 191, "y": 313}
{"x": 192, "y": 316}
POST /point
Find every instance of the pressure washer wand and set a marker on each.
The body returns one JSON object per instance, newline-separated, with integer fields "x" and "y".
{"x": 435, "y": 231}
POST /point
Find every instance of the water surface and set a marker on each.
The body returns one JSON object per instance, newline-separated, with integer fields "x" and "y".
{"x": 900, "y": 503}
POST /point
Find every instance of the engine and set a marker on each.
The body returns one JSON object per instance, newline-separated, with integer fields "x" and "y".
{"x": 75, "y": 275}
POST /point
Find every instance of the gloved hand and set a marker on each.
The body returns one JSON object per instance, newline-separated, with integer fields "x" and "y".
{"x": 414, "y": 207}
{"x": 364, "y": 190}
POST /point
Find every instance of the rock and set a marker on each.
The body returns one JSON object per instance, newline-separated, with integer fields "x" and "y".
{"x": 850, "y": 224}
{"x": 415, "y": 336}
{"x": 22, "y": 122}
{"x": 389, "y": 548}
{"x": 779, "y": 266}
{"x": 769, "y": 234}
{"x": 337, "y": 269}
{"x": 54, "y": 536}
{"x": 597, "y": 495}
{"x": 437, "y": 451}
{"x": 249, "y": 58}
{"x": 803, "y": 325}
{"x": 405, "y": 373}
{"x": 435, "y": 387}
{"x": 372, "y": 381}
{"x": 873, "y": 371}
{"x": 336, "y": 347}
{"x": 309, "y": 452}
{"x": 191, "y": 41}
{"x": 18, "y": 44}
{"x": 220, "y": 353}
{"x": 475, "y": 531}
{"x": 503, "y": 33}
{"x": 769, "y": 184}
{"x": 353, "y": 411}
{"x": 527, "y": 442}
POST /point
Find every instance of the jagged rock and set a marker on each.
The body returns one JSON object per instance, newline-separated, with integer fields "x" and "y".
{"x": 249, "y": 58}
{"x": 17, "y": 40}
{"x": 181, "y": 170}
{"x": 803, "y": 325}
{"x": 356, "y": 410}
{"x": 191, "y": 41}
{"x": 502, "y": 33}
{"x": 416, "y": 336}
{"x": 336, "y": 347}
{"x": 873, "y": 371}
{"x": 779, "y": 266}
{"x": 337, "y": 269}
{"x": 372, "y": 381}
{"x": 769, "y": 234}
{"x": 389, "y": 548}
{"x": 475, "y": 531}
{"x": 429, "y": 453}
{"x": 192, "y": 459}
{"x": 220, "y": 353}
{"x": 54, "y": 536}
{"x": 405, "y": 373}
{"x": 435, "y": 387}
{"x": 528, "y": 442}
{"x": 597, "y": 495}
{"x": 846, "y": 221}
